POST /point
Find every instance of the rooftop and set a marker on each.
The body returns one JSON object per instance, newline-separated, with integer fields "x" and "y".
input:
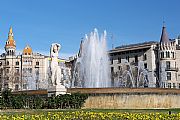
{"x": 137, "y": 44}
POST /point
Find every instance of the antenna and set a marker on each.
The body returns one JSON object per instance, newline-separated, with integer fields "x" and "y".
{"x": 163, "y": 22}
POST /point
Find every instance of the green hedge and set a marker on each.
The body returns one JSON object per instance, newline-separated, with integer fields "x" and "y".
{"x": 22, "y": 101}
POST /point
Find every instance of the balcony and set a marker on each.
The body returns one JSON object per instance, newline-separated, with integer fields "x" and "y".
{"x": 172, "y": 69}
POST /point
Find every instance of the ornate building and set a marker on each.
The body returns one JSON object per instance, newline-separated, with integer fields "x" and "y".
{"x": 149, "y": 64}
{"x": 27, "y": 71}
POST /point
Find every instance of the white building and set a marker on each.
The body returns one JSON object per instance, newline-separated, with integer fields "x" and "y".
{"x": 28, "y": 71}
{"x": 158, "y": 62}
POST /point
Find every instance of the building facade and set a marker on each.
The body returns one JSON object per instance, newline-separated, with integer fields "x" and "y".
{"x": 27, "y": 71}
{"x": 149, "y": 64}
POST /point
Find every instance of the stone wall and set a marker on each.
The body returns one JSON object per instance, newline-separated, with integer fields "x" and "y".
{"x": 130, "y": 98}
{"x": 132, "y": 101}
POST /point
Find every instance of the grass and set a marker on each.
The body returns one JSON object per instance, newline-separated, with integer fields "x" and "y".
{"x": 36, "y": 111}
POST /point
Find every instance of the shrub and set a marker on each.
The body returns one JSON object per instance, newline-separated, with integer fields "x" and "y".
{"x": 19, "y": 101}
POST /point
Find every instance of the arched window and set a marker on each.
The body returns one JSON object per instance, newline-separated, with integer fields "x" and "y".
{"x": 162, "y": 54}
{"x": 167, "y": 54}
{"x": 12, "y": 52}
{"x": 173, "y": 55}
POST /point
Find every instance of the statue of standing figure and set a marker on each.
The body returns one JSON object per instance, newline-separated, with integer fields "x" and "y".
{"x": 55, "y": 68}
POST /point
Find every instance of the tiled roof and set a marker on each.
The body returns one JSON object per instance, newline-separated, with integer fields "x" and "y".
{"x": 164, "y": 36}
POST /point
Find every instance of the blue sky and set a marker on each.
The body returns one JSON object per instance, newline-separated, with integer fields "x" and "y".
{"x": 42, "y": 22}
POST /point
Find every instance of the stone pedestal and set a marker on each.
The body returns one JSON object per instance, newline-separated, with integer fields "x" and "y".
{"x": 56, "y": 90}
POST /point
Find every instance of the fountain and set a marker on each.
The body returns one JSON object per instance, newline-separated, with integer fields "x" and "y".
{"x": 131, "y": 76}
{"x": 92, "y": 67}
{"x": 125, "y": 89}
{"x": 128, "y": 87}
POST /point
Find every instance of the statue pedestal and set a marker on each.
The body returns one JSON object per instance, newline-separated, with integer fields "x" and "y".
{"x": 56, "y": 90}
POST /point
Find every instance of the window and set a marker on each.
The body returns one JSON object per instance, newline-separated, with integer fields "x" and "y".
{"x": 30, "y": 70}
{"x": 16, "y": 87}
{"x": 168, "y": 65}
{"x": 119, "y": 60}
{"x": 167, "y": 54}
{"x": 27, "y": 62}
{"x": 112, "y": 69}
{"x": 119, "y": 67}
{"x": 37, "y": 63}
{"x": 174, "y": 85}
{"x": 145, "y": 57}
{"x": 7, "y": 63}
{"x": 179, "y": 85}
{"x": 24, "y": 86}
{"x": 0, "y": 63}
{"x": 7, "y": 70}
{"x": 17, "y": 63}
{"x": 168, "y": 75}
{"x": 145, "y": 65}
{"x": 162, "y": 54}
{"x": 1, "y": 71}
{"x": 169, "y": 85}
{"x": 136, "y": 58}
{"x": 173, "y": 55}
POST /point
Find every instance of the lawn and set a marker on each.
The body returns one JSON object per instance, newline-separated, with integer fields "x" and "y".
{"x": 90, "y": 114}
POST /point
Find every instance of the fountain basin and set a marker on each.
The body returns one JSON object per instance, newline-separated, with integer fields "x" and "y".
{"x": 130, "y": 98}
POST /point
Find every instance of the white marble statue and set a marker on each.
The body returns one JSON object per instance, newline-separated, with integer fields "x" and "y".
{"x": 55, "y": 68}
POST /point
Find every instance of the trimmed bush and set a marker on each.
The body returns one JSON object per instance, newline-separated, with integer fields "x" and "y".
{"x": 22, "y": 101}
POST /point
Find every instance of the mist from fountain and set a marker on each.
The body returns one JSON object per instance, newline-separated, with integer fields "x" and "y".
{"x": 92, "y": 67}
{"x": 131, "y": 75}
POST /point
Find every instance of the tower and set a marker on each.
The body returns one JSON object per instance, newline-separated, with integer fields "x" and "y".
{"x": 10, "y": 46}
{"x": 167, "y": 61}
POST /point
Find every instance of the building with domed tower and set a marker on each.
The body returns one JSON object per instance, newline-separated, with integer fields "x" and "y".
{"x": 26, "y": 71}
